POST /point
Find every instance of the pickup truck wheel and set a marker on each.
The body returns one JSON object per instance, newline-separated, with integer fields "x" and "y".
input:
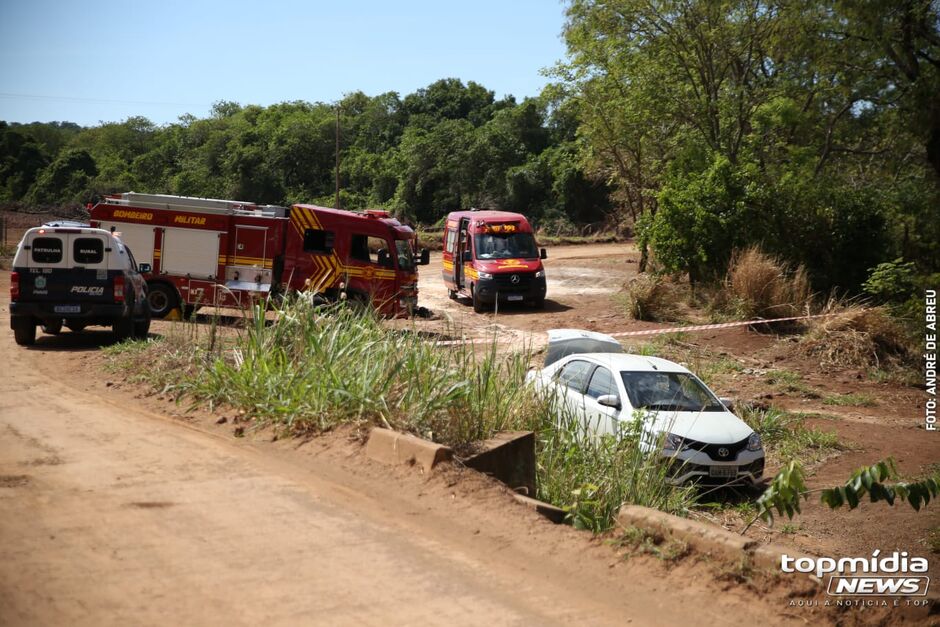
{"x": 162, "y": 300}
{"x": 123, "y": 328}
{"x": 24, "y": 331}
{"x": 478, "y": 305}
{"x": 52, "y": 328}
{"x": 141, "y": 329}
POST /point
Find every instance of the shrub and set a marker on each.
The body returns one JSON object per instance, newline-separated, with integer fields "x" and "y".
{"x": 859, "y": 337}
{"x": 760, "y": 285}
{"x": 650, "y": 297}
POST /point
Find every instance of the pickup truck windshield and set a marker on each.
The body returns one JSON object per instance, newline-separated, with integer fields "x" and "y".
{"x": 406, "y": 260}
{"x": 505, "y": 246}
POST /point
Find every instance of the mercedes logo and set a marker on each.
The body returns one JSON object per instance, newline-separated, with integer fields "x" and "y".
{"x": 723, "y": 452}
{"x": 514, "y": 278}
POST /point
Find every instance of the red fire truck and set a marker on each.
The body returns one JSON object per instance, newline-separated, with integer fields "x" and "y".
{"x": 491, "y": 256}
{"x": 228, "y": 253}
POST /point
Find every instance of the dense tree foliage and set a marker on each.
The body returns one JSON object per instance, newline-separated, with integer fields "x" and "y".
{"x": 808, "y": 127}
{"x": 447, "y": 146}
{"x": 811, "y": 128}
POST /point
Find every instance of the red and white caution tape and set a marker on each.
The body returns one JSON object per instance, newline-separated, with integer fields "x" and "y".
{"x": 720, "y": 325}
{"x": 698, "y": 327}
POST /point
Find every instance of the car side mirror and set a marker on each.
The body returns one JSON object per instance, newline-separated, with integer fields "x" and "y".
{"x": 543, "y": 254}
{"x": 609, "y": 400}
{"x": 144, "y": 268}
{"x": 425, "y": 257}
{"x": 727, "y": 402}
{"x": 467, "y": 256}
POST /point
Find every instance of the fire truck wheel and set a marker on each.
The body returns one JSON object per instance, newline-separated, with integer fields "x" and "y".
{"x": 52, "y": 328}
{"x": 24, "y": 331}
{"x": 162, "y": 299}
{"x": 478, "y": 305}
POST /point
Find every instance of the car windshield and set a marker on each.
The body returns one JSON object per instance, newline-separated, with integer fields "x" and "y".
{"x": 505, "y": 246}
{"x": 668, "y": 391}
{"x": 406, "y": 260}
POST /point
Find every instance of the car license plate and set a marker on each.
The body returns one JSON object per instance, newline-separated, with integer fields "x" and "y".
{"x": 723, "y": 472}
{"x": 67, "y": 309}
{"x": 514, "y": 297}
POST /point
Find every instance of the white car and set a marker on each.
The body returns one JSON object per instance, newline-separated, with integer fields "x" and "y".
{"x": 604, "y": 387}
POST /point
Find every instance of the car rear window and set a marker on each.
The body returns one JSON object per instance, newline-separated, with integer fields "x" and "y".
{"x": 47, "y": 250}
{"x": 88, "y": 250}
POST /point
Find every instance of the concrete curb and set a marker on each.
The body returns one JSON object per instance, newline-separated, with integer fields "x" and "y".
{"x": 706, "y": 538}
{"x": 509, "y": 456}
{"x": 554, "y": 514}
{"x": 393, "y": 448}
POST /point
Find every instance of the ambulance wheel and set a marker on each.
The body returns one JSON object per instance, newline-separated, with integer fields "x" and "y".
{"x": 162, "y": 300}
{"x": 52, "y": 328}
{"x": 24, "y": 331}
{"x": 478, "y": 305}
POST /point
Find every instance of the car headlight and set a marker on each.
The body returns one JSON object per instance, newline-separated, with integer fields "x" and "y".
{"x": 674, "y": 442}
{"x": 540, "y": 274}
{"x": 753, "y": 442}
{"x": 484, "y": 275}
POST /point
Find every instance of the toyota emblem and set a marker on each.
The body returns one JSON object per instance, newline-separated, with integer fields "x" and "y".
{"x": 723, "y": 452}
{"x": 514, "y": 279}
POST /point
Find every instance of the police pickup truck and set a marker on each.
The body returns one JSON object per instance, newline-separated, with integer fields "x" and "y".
{"x": 76, "y": 277}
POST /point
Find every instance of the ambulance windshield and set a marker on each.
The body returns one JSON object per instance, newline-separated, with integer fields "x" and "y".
{"x": 505, "y": 246}
{"x": 406, "y": 260}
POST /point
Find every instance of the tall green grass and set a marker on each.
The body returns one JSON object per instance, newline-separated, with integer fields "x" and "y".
{"x": 592, "y": 475}
{"x": 315, "y": 368}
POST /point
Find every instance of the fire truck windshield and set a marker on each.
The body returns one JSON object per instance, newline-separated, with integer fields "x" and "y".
{"x": 406, "y": 260}
{"x": 505, "y": 246}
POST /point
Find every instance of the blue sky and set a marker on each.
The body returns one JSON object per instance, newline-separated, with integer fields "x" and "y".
{"x": 100, "y": 60}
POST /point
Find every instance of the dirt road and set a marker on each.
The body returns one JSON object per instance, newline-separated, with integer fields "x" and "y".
{"x": 111, "y": 514}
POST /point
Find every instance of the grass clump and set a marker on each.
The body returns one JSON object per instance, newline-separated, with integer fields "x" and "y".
{"x": 859, "y": 337}
{"x": 761, "y": 286}
{"x": 786, "y": 437}
{"x": 592, "y": 475}
{"x": 650, "y": 297}
{"x": 851, "y": 400}
{"x": 641, "y": 541}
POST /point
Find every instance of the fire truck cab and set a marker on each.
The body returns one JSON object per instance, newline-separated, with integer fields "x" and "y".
{"x": 229, "y": 253}
{"x": 491, "y": 257}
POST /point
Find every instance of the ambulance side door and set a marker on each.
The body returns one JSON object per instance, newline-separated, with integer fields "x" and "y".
{"x": 463, "y": 246}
